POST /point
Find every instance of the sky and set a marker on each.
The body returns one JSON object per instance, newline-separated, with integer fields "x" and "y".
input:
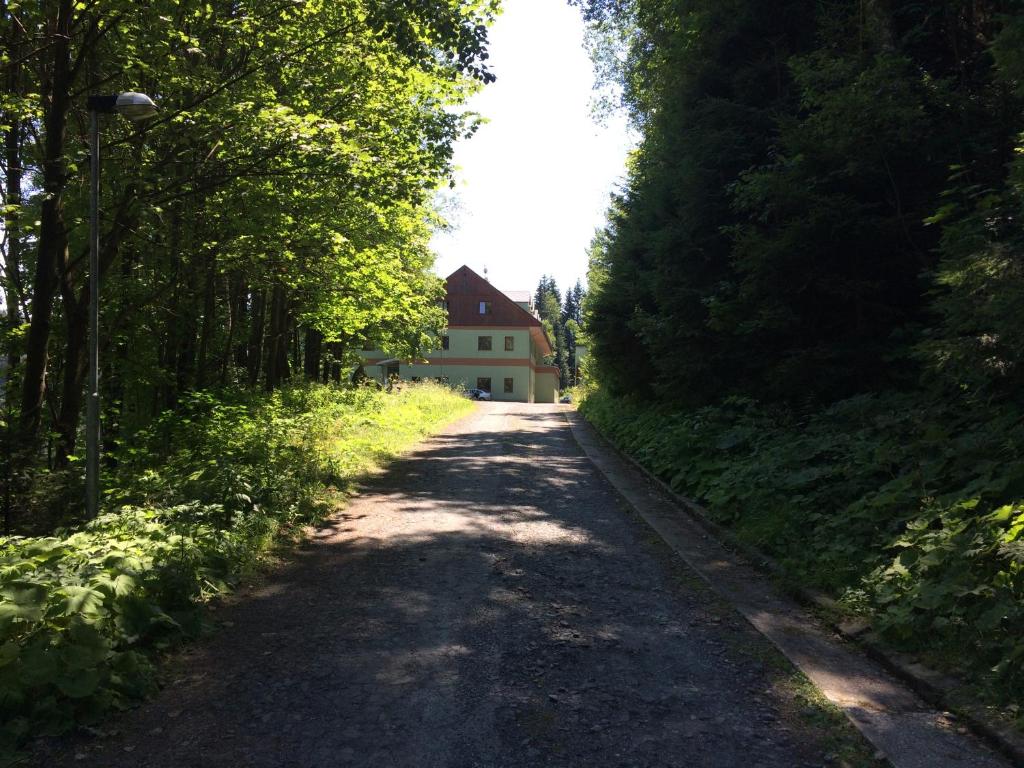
{"x": 533, "y": 183}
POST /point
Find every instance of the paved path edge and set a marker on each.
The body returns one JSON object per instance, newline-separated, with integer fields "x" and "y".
{"x": 928, "y": 685}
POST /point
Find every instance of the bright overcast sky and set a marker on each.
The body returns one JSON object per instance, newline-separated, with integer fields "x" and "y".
{"x": 533, "y": 183}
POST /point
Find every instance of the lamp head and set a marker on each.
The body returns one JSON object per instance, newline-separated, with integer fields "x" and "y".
{"x": 135, "y": 106}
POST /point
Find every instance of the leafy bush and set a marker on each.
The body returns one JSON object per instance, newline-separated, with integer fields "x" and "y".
{"x": 199, "y": 496}
{"x": 909, "y": 512}
{"x": 957, "y": 583}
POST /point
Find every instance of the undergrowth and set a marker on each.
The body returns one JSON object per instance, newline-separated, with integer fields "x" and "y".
{"x": 909, "y": 512}
{"x": 197, "y": 498}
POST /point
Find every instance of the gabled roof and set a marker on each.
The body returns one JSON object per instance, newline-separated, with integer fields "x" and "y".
{"x": 466, "y": 289}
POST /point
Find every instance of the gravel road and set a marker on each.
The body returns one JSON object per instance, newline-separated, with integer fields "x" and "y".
{"x": 487, "y": 601}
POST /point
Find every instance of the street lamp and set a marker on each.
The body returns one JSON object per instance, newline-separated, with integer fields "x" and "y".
{"x": 136, "y": 107}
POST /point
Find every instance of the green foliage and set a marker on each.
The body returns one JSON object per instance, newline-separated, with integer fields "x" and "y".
{"x": 906, "y": 511}
{"x": 560, "y": 323}
{"x": 203, "y": 493}
{"x": 783, "y": 204}
{"x": 957, "y": 579}
{"x": 804, "y": 309}
{"x": 274, "y": 217}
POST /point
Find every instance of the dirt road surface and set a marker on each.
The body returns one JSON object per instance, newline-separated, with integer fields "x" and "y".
{"x": 486, "y": 601}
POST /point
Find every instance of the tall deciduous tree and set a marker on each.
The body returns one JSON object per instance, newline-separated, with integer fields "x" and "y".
{"x": 278, "y": 210}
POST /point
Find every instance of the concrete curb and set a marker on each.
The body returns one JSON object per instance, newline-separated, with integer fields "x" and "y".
{"x": 932, "y": 688}
{"x": 939, "y": 690}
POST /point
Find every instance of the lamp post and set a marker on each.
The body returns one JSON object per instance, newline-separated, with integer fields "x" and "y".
{"x": 136, "y": 107}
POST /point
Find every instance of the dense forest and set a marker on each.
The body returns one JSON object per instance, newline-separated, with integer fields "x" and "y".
{"x": 270, "y": 221}
{"x": 563, "y": 322}
{"x": 805, "y": 307}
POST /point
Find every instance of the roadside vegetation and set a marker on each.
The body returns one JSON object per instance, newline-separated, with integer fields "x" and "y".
{"x": 199, "y": 498}
{"x": 269, "y": 222}
{"x": 804, "y": 308}
{"x": 272, "y": 220}
{"x": 909, "y": 514}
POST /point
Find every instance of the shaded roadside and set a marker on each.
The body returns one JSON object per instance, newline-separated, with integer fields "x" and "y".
{"x": 910, "y": 732}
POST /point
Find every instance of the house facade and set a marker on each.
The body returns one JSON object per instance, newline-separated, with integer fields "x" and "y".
{"x": 494, "y": 341}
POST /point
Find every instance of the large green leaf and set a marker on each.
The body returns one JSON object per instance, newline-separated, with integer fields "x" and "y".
{"x": 137, "y": 617}
{"x": 80, "y": 683}
{"x": 78, "y": 657}
{"x": 38, "y": 665}
{"x": 82, "y": 600}
{"x": 12, "y": 611}
{"x": 24, "y": 593}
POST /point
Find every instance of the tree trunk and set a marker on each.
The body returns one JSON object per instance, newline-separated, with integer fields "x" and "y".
{"x": 13, "y": 295}
{"x": 52, "y": 244}
{"x": 185, "y": 365}
{"x": 313, "y": 350}
{"x": 242, "y": 315}
{"x": 12, "y": 267}
{"x": 337, "y": 354}
{"x": 236, "y": 310}
{"x": 76, "y": 361}
{"x": 170, "y": 345}
{"x": 878, "y": 25}
{"x": 209, "y": 316}
{"x": 296, "y": 348}
{"x": 76, "y": 364}
{"x": 254, "y": 353}
{"x": 277, "y": 344}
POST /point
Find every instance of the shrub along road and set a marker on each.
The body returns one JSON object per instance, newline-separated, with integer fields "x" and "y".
{"x": 487, "y": 601}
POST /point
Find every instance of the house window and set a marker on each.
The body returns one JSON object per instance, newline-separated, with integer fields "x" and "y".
{"x": 483, "y": 343}
{"x": 484, "y": 383}
{"x": 444, "y": 342}
{"x": 510, "y": 343}
{"x": 510, "y": 386}
{"x": 485, "y": 307}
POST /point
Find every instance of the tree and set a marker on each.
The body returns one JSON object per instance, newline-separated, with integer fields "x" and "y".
{"x": 572, "y": 319}
{"x": 274, "y": 216}
{"x": 549, "y": 307}
{"x": 778, "y": 216}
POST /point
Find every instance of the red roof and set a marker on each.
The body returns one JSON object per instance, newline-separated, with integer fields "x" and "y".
{"x": 466, "y": 289}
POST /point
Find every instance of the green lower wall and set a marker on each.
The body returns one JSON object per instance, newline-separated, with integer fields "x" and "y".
{"x": 528, "y": 386}
{"x": 546, "y": 387}
{"x": 467, "y": 376}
